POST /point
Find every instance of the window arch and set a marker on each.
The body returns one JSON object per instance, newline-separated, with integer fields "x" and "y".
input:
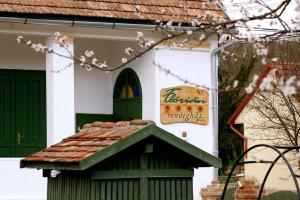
{"x": 127, "y": 96}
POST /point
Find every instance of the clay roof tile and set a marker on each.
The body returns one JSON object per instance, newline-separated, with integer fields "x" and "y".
{"x": 98, "y": 136}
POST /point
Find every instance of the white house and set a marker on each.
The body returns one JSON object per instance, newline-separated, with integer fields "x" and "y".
{"x": 39, "y": 106}
{"x": 262, "y": 120}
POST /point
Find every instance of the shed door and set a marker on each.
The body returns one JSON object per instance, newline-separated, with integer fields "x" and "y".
{"x": 22, "y": 112}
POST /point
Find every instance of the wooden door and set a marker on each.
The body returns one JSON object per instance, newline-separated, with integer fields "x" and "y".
{"x": 24, "y": 121}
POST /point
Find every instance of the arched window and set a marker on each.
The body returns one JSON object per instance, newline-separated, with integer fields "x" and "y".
{"x": 127, "y": 96}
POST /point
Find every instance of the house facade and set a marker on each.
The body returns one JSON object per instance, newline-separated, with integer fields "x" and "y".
{"x": 45, "y": 98}
{"x": 261, "y": 126}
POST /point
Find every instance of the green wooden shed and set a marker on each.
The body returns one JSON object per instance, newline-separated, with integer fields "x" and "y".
{"x": 133, "y": 160}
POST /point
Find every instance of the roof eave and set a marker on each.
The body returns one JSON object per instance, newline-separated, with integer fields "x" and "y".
{"x": 48, "y": 165}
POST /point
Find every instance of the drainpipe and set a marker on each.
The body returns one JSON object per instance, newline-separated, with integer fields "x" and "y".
{"x": 214, "y": 78}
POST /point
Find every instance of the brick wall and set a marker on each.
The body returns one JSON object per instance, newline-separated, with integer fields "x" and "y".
{"x": 213, "y": 191}
{"x": 248, "y": 191}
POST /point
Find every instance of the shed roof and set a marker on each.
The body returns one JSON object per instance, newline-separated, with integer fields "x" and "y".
{"x": 101, "y": 140}
{"x": 150, "y": 10}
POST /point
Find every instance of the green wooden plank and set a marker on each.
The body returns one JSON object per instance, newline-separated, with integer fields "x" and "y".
{"x": 144, "y": 188}
{"x": 136, "y": 186}
{"x": 156, "y": 188}
{"x": 125, "y": 174}
{"x": 120, "y": 190}
{"x": 130, "y": 189}
{"x": 102, "y": 190}
{"x": 114, "y": 189}
{"x": 173, "y": 189}
{"x": 178, "y": 189}
{"x": 125, "y": 189}
{"x": 93, "y": 190}
{"x": 144, "y": 162}
{"x": 109, "y": 189}
{"x": 190, "y": 189}
{"x": 162, "y": 189}
{"x": 168, "y": 189}
{"x": 151, "y": 189}
{"x": 183, "y": 189}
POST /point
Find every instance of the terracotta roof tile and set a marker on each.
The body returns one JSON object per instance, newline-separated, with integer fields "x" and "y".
{"x": 165, "y": 10}
{"x": 95, "y": 137}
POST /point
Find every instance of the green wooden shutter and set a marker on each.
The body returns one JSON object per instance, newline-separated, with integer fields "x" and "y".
{"x": 7, "y": 114}
{"x": 22, "y": 112}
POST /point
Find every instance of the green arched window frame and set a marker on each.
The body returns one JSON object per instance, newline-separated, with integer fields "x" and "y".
{"x": 127, "y": 96}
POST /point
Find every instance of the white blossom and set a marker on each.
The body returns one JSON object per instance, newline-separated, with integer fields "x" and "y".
{"x": 94, "y": 61}
{"x": 57, "y": 34}
{"x": 202, "y": 37}
{"x": 149, "y": 43}
{"x": 88, "y": 67}
{"x": 189, "y": 32}
{"x": 169, "y": 23}
{"x": 252, "y": 85}
{"x": 103, "y": 65}
{"x": 88, "y": 53}
{"x": 140, "y": 35}
{"x": 288, "y": 87}
{"x": 82, "y": 59}
{"x": 128, "y": 51}
{"x": 235, "y": 83}
{"x": 19, "y": 38}
{"x": 124, "y": 60}
{"x": 266, "y": 84}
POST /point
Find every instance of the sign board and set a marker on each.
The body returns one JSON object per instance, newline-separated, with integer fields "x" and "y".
{"x": 183, "y": 104}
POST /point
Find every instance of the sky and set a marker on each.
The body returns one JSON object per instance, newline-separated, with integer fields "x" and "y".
{"x": 259, "y": 27}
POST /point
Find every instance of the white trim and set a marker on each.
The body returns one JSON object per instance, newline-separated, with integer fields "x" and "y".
{"x": 23, "y": 198}
{"x": 10, "y": 159}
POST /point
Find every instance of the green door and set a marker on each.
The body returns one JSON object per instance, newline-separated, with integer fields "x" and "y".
{"x": 7, "y": 114}
{"x": 127, "y": 96}
{"x": 25, "y": 116}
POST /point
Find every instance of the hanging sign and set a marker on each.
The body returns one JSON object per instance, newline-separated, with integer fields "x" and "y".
{"x": 183, "y": 104}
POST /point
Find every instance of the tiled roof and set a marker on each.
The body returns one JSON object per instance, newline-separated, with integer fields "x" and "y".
{"x": 91, "y": 139}
{"x": 287, "y": 70}
{"x": 149, "y": 10}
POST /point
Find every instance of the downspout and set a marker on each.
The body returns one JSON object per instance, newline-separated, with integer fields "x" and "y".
{"x": 241, "y": 135}
{"x": 214, "y": 78}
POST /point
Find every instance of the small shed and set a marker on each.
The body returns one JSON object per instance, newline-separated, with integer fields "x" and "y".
{"x": 133, "y": 160}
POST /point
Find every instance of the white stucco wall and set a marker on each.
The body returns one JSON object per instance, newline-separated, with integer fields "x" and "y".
{"x": 17, "y": 56}
{"x": 93, "y": 89}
